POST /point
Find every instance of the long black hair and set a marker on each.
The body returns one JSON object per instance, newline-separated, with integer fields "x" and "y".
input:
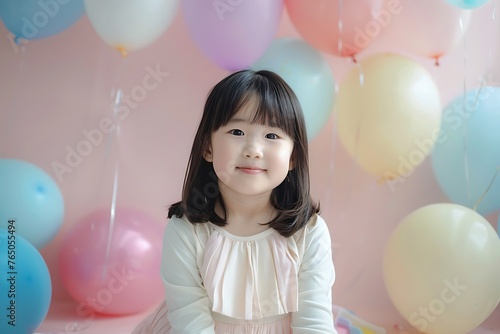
{"x": 277, "y": 106}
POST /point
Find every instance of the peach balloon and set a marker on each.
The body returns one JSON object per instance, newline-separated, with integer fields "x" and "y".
{"x": 341, "y": 28}
{"x": 389, "y": 115}
{"x": 428, "y": 28}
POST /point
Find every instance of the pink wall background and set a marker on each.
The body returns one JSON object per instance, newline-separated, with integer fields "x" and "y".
{"x": 60, "y": 86}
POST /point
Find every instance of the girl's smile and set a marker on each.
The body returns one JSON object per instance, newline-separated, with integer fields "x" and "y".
{"x": 251, "y": 170}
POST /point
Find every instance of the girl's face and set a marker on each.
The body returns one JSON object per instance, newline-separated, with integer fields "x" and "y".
{"x": 249, "y": 159}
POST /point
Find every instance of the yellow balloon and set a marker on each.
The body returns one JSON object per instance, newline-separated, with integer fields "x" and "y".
{"x": 442, "y": 269}
{"x": 389, "y": 114}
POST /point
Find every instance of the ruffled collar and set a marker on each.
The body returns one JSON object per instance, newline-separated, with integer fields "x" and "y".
{"x": 252, "y": 277}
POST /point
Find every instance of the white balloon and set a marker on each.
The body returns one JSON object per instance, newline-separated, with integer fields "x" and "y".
{"x": 128, "y": 25}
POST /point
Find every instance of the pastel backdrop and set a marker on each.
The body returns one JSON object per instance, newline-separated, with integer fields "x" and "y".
{"x": 55, "y": 93}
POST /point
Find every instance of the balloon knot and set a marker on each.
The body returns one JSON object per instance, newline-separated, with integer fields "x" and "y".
{"x": 122, "y": 50}
{"x": 18, "y": 40}
{"x": 436, "y": 61}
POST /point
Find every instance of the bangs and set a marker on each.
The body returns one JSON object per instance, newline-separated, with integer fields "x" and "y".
{"x": 274, "y": 103}
{"x": 270, "y": 113}
{"x": 271, "y": 106}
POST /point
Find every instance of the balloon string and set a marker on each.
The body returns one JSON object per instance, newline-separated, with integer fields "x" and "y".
{"x": 482, "y": 83}
{"x": 357, "y": 136}
{"x": 464, "y": 128}
{"x": 360, "y": 118}
{"x": 116, "y": 133}
{"x": 340, "y": 27}
{"x": 331, "y": 168}
{"x": 111, "y": 220}
{"x": 116, "y": 130}
{"x": 113, "y": 140}
{"x": 493, "y": 17}
{"x": 487, "y": 189}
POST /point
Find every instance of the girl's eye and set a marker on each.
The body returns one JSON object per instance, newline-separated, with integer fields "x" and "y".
{"x": 272, "y": 136}
{"x": 236, "y": 132}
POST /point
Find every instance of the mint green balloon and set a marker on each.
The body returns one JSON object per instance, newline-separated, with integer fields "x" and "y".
{"x": 309, "y": 75}
{"x": 467, "y": 4}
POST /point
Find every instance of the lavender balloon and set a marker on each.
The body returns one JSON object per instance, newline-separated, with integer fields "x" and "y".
{"x": 232, "y": 33}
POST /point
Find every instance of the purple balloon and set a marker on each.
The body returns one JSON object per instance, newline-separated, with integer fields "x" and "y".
{"x": 233, "y": 33}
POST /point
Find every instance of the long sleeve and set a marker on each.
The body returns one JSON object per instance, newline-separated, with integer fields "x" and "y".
{"x": 315, "y": 280}
{"x": 185, "y": 295}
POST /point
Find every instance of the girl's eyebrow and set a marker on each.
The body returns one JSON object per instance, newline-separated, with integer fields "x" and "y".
{"x": 244, "y": 120}
{"x": 238, "y": 120}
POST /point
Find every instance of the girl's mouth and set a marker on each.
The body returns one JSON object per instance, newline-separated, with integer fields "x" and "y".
{"x": 250, "y": 170}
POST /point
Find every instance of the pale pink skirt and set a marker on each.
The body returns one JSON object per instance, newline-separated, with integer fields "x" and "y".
{"x": 157, "y": 323}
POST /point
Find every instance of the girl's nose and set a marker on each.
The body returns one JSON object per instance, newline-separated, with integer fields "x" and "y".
{"x": 253, "y": 151}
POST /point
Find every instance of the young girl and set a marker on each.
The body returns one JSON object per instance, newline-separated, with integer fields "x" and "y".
{"x": 245, "y": 250}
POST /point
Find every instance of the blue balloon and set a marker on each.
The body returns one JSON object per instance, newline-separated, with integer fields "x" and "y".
{"x": 30, "y": 197}
{"x": 467, "y": 4}
{"x": 35, "y": 19}
{"x": 466, "y": 156}
{"x": 25, "y": 284}
{"x": 309, "y": 75}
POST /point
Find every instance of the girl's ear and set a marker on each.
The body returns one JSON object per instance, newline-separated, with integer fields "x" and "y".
{"x": 208, "y": 155}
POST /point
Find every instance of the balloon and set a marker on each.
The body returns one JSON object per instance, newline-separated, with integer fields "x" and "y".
{"x": 114, "y": 274}
{"x": 466, "y": 158}
{"x": 498, "y": 226}
{"x": 227, "y": 32}
{"x": 307, "y": 73}
{"x": 25, "y": 284}
{"x": 467, "y": 4}
{"x": 317, "y": 21}
{"x": 428, "y": 28}
{"x": 31, "y": 198}
{"x": 128, "y": 25}
{"x": 442, "y": 269}
{"x": 389, "y": 114}
{"x": 34, "y": 19}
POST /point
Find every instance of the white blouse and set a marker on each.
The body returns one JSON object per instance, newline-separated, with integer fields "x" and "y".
{"x": 214, "y": 279}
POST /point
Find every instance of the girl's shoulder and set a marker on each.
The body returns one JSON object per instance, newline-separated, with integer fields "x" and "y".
{"x": 315, "y": 226}
{"x": 314, "y": 236}
{"x": 313, "y": 239}
{"x": 315, "y": 222}
{"x": 183, "y": 227}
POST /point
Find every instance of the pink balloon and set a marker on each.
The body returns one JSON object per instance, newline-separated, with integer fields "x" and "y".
{"x": 122, "y": 279}
{"x": 232, "y": 33}
{"x": 428, "y": 28}
{"x": 318, "y": 23}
